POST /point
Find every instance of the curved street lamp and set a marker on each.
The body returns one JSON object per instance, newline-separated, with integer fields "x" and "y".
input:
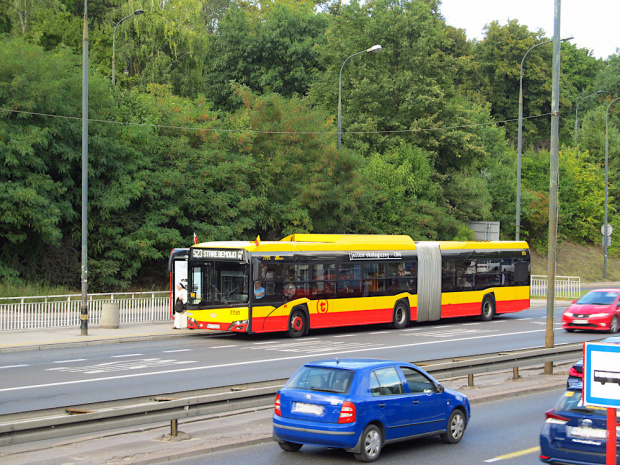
{"x": 520, "y": 141}
{"x": 135, "y": 13}
{"x": 605, "y": 226}
{"x": 373, "y": 49}
{"x": 577, "y": 110}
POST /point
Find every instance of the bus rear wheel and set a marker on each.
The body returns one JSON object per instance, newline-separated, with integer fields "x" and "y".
{"x": 296, "y": 324}
{"x": 488, "y": 308}
{"x": 400, "y": 318}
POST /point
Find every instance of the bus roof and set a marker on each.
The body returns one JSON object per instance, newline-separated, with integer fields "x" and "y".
{"x": 344, "y": 242}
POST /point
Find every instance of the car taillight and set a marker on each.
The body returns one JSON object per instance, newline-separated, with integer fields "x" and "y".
{"x": 575, "y": 373}
{"x": 554, "y": 417}
{"x": 278, "y": 411}
{"x": 347, "y": 413}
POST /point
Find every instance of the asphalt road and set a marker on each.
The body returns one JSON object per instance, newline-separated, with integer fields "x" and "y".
{"x": 73, "y": 376}
{"x": 505, "y": 432}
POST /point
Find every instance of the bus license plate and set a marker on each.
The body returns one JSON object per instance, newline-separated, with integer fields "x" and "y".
{"x": 212, "y": 326}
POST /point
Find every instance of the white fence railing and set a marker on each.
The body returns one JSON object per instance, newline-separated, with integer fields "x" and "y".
{"x": 565, "y": 286}
{"x": 64, "y": 310}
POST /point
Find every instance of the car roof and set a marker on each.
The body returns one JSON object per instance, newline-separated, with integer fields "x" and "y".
{"x": 605, "y": 290}
{"x": 354, "y": 363}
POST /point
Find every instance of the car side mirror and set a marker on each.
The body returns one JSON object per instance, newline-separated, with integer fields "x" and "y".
{"x": 440, "y": 388}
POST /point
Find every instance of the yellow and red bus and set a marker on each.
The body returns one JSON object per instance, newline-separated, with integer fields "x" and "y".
{"x": 310, "y": 281}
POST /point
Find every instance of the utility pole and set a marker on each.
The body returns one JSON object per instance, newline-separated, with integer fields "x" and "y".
{"x": 553, "y": 183}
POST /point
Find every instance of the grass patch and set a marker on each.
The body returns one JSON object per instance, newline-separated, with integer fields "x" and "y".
{"x": 579, "y": 260}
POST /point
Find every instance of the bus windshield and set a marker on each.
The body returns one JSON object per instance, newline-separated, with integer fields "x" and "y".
{"x": 217, "y": 283}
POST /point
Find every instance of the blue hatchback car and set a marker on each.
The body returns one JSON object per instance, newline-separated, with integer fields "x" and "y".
{"x": 360, "y": 405}
{"x": 574, "y": 433}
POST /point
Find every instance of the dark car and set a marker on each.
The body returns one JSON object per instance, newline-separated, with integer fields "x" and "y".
{"x": 598, "y": 310}
{"x": 575, "y": 374}
{"x": 574, "y": 433}
{"x": 359, "y": 405}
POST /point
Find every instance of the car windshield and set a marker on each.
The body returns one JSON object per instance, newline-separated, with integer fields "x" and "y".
{"x": 321, "y": 379}
{"x": 572, "y": 402}
{"x": 598, "y": 298}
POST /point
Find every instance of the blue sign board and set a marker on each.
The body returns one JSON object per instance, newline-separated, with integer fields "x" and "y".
{"x": 601, "y": 375}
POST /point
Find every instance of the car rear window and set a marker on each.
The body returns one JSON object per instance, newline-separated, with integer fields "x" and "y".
{"x": 321, "y": 379}
{"x": 571, "y": 401}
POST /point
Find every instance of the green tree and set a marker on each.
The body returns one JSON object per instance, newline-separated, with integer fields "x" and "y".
{"x": 298, "y": 181}
{"x": 273, "y": 50}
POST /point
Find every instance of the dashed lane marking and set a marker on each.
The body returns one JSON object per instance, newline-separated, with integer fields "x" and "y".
{"x": 512, "y": 455}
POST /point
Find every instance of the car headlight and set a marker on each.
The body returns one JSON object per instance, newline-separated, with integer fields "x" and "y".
{"x": 599, "y": 315}
{"x": 568, "y": 314}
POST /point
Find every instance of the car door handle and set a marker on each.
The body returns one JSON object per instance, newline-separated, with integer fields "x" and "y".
{"x": 416, "y": 401}
{"x": 381, "y": 405}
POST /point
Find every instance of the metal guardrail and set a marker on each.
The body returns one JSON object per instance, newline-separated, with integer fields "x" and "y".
{"x": 67, "y": 421}
{"x": 565, "y": 286}
{"x": 36, "y": 312}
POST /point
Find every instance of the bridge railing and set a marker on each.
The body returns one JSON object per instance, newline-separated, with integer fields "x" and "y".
{"x": 55, "y": 311}
{"x": 568, "y": 287}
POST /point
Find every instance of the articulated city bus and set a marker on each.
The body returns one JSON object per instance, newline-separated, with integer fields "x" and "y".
{"x": 309, "y": 281}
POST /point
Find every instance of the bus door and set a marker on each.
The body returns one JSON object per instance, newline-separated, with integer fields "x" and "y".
{"x": 177, "y": 266}
{"x": 349, "y": 307}
{"x": 323, "y": 295}
{"x": 429, "y": 281}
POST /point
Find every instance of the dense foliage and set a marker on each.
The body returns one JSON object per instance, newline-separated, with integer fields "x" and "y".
{"x": 223, "y": 123}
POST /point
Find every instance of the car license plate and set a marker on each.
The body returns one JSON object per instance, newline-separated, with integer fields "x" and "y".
{"x": 311, "y": 409}
{"x": 580, "y": 322}
{"x": 212, "y": 326}
{"x": 588, "y": 433}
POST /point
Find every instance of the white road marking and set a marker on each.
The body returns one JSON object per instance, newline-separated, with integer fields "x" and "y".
{"x": 13, "y": 366}
{"x": 380, "y": 332}
{"x": 451, "y": 332}
{"x": 70, "y": 361}
{"x": 222, "y": 347}
{"x": 120, "y": 366}
{"x": 254, "y": 362}
{"x": 177, "y": 350}
{"x": 127, "y": 355}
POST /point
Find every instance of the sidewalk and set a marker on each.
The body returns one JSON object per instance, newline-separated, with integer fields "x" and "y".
{"x": 57, "y": 338}
{"x": 149, "y": 444}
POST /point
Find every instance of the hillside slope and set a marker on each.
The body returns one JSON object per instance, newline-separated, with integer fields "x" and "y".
{"x": 578, "y": 260}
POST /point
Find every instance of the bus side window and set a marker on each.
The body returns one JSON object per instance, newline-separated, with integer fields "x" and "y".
{"x": 508, "y": 271}
{"x": 448, "y": 275}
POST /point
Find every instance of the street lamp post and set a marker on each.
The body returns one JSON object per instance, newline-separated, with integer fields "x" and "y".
{"x": 135, "y": 13}
{"x": 520, "y": 135}
{"x": 606, "y": 184}
{"x": 374, "y": 49}
{"x": 577, "y": 110}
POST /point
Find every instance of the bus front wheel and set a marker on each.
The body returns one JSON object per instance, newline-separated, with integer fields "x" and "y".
{"x": 488, "y": 308}
{"x": 297, "y": 324}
